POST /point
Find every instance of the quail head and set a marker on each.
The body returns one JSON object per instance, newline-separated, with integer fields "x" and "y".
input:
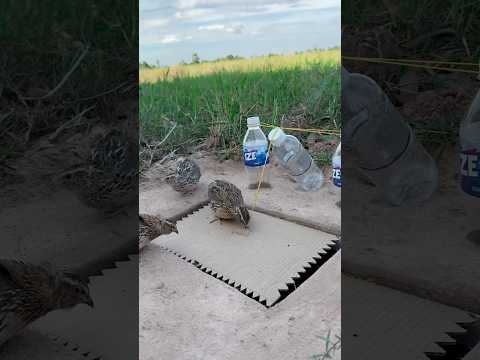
{"x": 226, "y": 200}
{"x": 28, "y": 292}
{"x": 152, "y": 227}
{"x": 185, "y": 176}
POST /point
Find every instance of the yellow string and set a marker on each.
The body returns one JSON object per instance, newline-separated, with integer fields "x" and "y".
{"x": 412, "y": 64}
{"x": 411, "y": 61}
{"x": 316, "y": 131}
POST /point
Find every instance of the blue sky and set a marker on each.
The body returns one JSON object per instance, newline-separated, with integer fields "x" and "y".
{"x": 172, "y": 30}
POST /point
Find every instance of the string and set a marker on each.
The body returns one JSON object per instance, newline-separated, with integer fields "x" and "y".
{"x": 410, "y": 63}
{"x": 257, "y": 193}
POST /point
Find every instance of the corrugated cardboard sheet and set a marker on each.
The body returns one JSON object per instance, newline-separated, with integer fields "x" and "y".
{"x": 261, "y": 259}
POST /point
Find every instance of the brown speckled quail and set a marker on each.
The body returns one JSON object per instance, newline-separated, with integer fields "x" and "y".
{"x": 152, "y": 227}
{"x": 108, "y": 180}
{"x": 28, "y": 292}
{"x": 184, "y": 176}
{"x": 226, "y": 201}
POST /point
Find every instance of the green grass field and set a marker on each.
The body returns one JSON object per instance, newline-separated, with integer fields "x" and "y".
{"x": 208, "y": 103}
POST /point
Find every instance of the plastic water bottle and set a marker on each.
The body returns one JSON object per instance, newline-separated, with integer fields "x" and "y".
{"x": 298, "y": 162}
{"x": 383, "y": 146}
{"x": 255, "y": 154}
{"x": 470, "y": 150}
{"x": 337, "y": 166}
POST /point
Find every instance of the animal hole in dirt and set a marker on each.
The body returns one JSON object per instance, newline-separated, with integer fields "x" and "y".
{"x": 263, "y": 185}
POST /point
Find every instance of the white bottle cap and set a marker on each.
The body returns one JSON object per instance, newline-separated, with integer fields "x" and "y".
{"x": 276, "y": 135}
{"x": 253, "y": 121}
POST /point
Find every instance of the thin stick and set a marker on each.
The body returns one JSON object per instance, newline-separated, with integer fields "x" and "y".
{"x": 156, "y": 146}
{"x": 67, "y": 123}
{"x": 63, "y": 81}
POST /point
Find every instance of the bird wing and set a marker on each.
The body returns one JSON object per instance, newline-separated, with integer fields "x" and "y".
{"x": 17, "y": 306}
{"x": 23, "y": 275}
{"x": 148, "y": 220}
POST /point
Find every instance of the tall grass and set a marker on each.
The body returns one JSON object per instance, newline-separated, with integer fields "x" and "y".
{"x": 210, "y": 106}
{"x": 40, "y": 42}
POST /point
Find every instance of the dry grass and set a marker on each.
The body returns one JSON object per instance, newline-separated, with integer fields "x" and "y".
{"x": 275, "y": 62}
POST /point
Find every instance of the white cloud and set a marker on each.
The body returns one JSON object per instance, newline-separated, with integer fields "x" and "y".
{"x": 153, "y": 39}
{"x": 170, "y": 39}
{"x": 190, "y": 4}
{"x": 234, "y": 29}
{"x": 154, "y": 23}
{"x": 213, "y": 27}
{"x": 196, "y": 14}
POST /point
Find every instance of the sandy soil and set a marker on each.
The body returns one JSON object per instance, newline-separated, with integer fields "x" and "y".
{"x": 39, "y": 224}
{"x": 425, "y": 250}
{"x": 186, "y": 314}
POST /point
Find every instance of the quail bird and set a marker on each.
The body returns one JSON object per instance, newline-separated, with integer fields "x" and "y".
{"x": 152, "y": 227}
{"x": 28, "y": 292}
{"x": 108, "y": 179}
{"x": 227, "y": 202}
{"x": 185, "y": 176}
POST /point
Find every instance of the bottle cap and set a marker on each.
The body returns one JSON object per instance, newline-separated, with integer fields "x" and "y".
{"x": 253, "y": 121}
{"x": 276, "y": 135}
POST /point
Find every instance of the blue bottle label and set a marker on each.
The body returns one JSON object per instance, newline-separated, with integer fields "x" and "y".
{"x": 255, "y": 156}
{"x": 337, "y": 176}
{"x": 470, "y": 171}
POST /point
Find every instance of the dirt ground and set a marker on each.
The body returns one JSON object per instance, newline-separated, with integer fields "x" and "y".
{"x": 80, "y": 234}
{"x": 427, "y": 250}
{"x": 186, "y": 314}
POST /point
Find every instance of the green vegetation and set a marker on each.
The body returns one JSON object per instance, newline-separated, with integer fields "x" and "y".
{"x": 58, "y": 59}
{"x": 207, "y": 104}
{"x": 435, "y": 101}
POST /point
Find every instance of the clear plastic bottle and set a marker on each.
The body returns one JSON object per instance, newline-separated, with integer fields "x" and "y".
{"x": 383, "y": 145}
{"x": 337, "y": 166}
{"x": 470, "y": 150}
{"x": 255, "y": 154}
{"x": 298, "y": 162}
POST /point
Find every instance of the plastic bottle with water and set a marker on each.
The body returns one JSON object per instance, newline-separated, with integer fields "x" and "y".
{"x": 298, "y": 162}
{"x": 470, "y": 150}
{"x": 337, "y": 166}
{"x": 255, "y": 154}
{"x": 383, "y": 146}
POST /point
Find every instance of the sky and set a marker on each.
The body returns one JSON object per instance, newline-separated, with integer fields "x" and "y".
{"x": 172, "y": 30}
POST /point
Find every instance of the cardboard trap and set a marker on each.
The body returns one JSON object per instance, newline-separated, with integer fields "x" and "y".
{"x": 110, "y": 330}
{"x": 409, "y": 326}
{"x": 265, "y": 261}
